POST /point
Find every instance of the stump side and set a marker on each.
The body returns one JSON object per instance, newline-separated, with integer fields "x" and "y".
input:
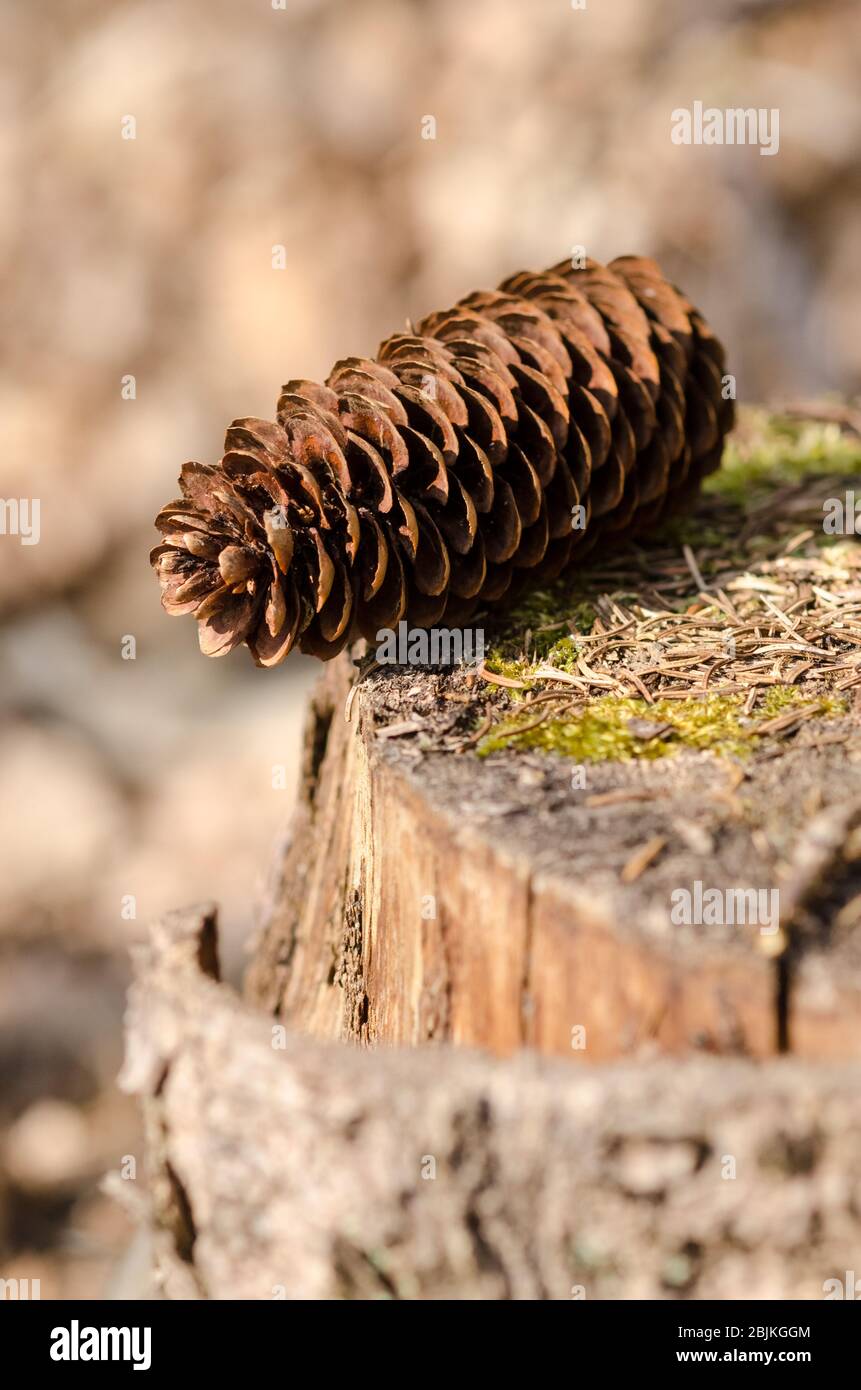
{"x": 282, "y": 1167}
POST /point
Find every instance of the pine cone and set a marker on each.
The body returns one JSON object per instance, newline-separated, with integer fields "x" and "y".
{"x": 440, "y": 476}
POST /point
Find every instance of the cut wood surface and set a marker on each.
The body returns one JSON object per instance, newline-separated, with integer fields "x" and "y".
{"x": 430, "y": 895}
{"x": 281, "y": 1167}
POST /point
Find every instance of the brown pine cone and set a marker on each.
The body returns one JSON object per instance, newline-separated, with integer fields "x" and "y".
{"x": 498, "y": 442}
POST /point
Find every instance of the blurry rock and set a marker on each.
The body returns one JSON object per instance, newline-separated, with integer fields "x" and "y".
{"x": 70, "y": 536}
{"x": 63, "y": 819}
{"x": 208, "y": 824}
{"x": 48, "y": 1146}
{"x": 61, "y": 1007}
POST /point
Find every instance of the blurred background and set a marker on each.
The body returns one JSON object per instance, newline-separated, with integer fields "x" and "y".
{"x": 132, "y": 785}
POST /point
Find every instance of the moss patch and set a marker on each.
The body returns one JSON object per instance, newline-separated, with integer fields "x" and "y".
{"x": 541, "y": 622}
{"x": 771, "y": 451}
{"x": 619, "y": 729}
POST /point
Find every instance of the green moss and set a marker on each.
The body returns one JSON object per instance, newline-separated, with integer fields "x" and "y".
{"x": 508, "y": 667}
{"x": 563, "y": 654}
{"x": 765, "y": 453}
{"x": 602, "y": 729}
{"x": 772, "y": 450}
{"x": 547, "y": 615}
{"x": 542, "y": 608}
{"x": 778, "y": 699}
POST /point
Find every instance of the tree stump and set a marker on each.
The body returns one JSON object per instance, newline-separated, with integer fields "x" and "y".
{"x": 517, "y": 858}
{"x": 430, "y": 896}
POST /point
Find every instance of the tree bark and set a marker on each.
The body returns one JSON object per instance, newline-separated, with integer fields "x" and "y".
{"x": 287, "y": 1168}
